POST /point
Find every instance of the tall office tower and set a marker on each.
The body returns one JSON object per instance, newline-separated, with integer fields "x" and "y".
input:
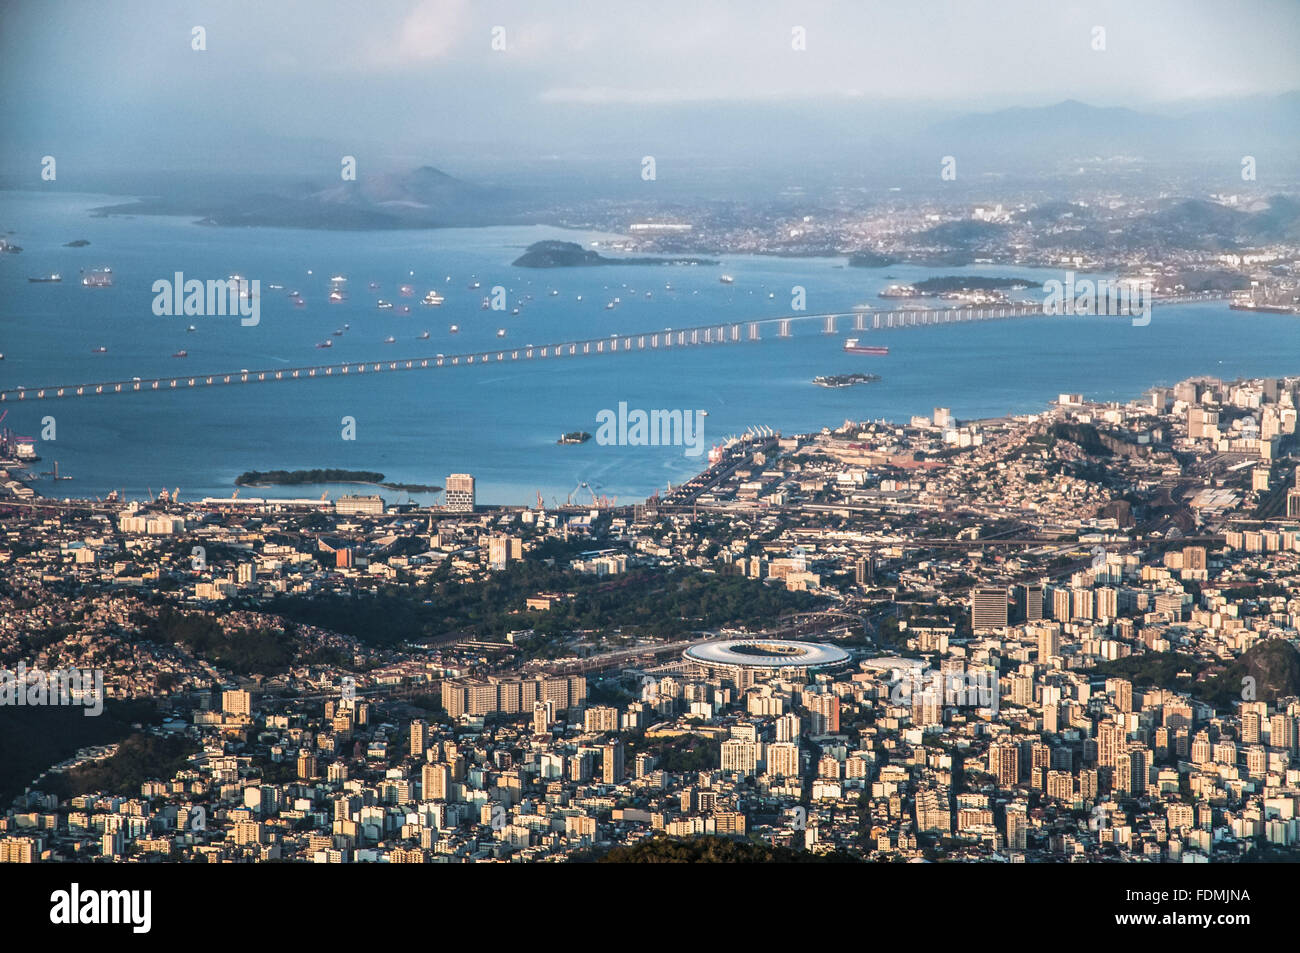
{"x": 419, "y": 739}
{"x": 543, "y": 716}
{"x": 460, "y": 493}
{"x": 825, "y": 710}
{"x": 783, "y": 759}
{"x": 1018, "y": 825}
{"x": 435, "y": 780}
{"x": 1049, "y": 641}
{"x": 611, "y": 765}
{"x": 1029, "y": 601}
{"x": 988, "y": 607}
{"x": 1121, "y": 693}
{"x": 1004, "y": 764}
{"x": 864, "y": 571}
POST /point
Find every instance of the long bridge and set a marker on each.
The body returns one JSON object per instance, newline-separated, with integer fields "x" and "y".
{"x": 668, "y": 339}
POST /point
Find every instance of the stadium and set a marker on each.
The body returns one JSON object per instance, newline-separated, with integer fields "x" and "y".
{"x": 748, "y": 660}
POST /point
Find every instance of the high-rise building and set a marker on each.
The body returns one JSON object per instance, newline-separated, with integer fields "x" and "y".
{"x": 236, "y": 702}
{"x": 435, "y": 780}
{"x": 825, "y": 710}
{"x": 1004, "y": 763}
{"x": 419, "y": 738}
{"x": 611, "y": 765}
{"x": 1029, "y": 601}
{"x": 460, "y": 493}
{"x": 989, "y": 608}
{"x": 1049, "y": 642}
{"x": 783, "y": 759}
{"x": 307, "y": 766}
{"x": 864, "y": 571}
{"x": 543, "y": 716}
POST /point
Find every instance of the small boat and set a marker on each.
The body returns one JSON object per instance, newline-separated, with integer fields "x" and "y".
{"x": 406, "y": 291}
{"x": 390, "y": 339}
{"x": 726, "y": 279}
{"x": 501, "y": 332}
{"x": 276, "y": 287}
{"x": 554, "y": 292}
{"x": 347, "y": 327}
{"x": 609, "y": 306}
{"x": 475, "y": 285}
{"x": 191, "y": 329}
{"x": 433, "y": 299}
{"x": 487, "y": 304}
{"x": 424, "y": 335}
{"x": 100, "y": 350}
{"x": 47, "y": 278}
{"x": 339, "y": 278}
{"x": 383, "y": 305}
{"x": 325, "y": 343}
{"x": 454, "y": 328}
{"x": 374, "y": 286}
{"x": 579, "y": 297}
{"x": 295, "y": 294}
{"x": 404, "y": 309}
{"x": 514, "y": 311}
{"x": 181, "y": 354}
{"x": 338, "y": 332}
{"x": 336, "y": 296}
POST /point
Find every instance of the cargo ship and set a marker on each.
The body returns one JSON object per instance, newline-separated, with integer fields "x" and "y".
{"x": 47, "y": 278}
{"x": 851, "y": 346}
{"x": 1263, "y": 308}
{"x": 433, "y": 299}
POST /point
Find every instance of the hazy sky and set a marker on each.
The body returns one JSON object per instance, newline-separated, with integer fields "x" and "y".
{"x": 120, "y": 79}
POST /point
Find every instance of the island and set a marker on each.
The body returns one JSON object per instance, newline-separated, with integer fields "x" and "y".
{"x": 330, "y": 475}
{"x": 577, "y": 436}
{"x": 870, "y": 259}
{"x": 845, "y": 380}
{"x": 556, "y": 254}
{"x": 77, "y": 243}
{"x": 956, "y": 284}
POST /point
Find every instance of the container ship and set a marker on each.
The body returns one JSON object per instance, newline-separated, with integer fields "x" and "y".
{"x": 851, "y": 346}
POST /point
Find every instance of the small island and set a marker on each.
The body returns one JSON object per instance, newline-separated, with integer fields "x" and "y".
{"x": 78, "y": 243}
{"x": 845, "y": 380}
{"x": 555, "y": 254}
{"x": 577, "y": 436}
{"x": 956, "y": 284}
{"x": 329, "y": 475}
{"x": 870, "y": 259}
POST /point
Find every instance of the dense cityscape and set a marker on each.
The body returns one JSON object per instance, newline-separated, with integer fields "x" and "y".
{"x": 1066, "y": 635}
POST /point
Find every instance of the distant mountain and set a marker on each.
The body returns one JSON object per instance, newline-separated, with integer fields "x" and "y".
{"x": 422, "y": 198}
{"x": 1072, "y": 129}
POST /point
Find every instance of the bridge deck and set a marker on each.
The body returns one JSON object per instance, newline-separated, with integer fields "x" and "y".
{"x": 727, "y": 332}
